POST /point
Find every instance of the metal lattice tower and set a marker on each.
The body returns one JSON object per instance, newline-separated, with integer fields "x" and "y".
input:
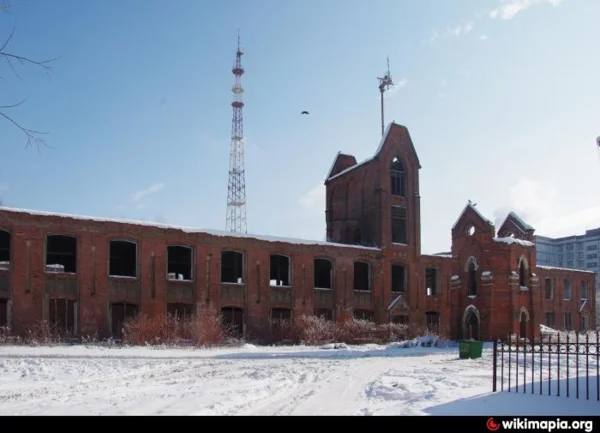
{"x": 236, "y": 190}
{"x": 384, "y": 84}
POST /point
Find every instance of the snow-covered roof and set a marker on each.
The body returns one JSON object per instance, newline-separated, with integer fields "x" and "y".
{"x": 220, "y": 233}
{"x": 556, "y": 268}
{"x": 333, "y": 165}
{"x": 381, "y": 142}
{"x": 439, "y": 255}
{"x": 522, "y": 225}
{"x": 470, "y": 205}
{"x": 511, "y": 241}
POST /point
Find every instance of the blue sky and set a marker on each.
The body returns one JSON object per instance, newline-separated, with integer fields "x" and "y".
{"x": 500, "y": 98}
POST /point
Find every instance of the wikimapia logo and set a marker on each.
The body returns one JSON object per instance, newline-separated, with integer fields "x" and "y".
{"x": 546, "y": 425}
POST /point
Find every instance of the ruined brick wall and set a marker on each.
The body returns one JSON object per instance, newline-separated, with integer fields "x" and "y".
{"x": 559, "y": 301}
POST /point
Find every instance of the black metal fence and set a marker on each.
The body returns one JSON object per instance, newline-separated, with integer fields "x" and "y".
{"x": 561, "y": 365}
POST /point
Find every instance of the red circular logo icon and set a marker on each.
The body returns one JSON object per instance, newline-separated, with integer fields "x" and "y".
{"x": 492, "y": 425}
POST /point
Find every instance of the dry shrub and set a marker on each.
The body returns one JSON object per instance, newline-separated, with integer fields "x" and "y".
{"x": 208, "y": 330}
{"x": 203, "y": 329}
{"x": 143, "y": 329}
{"x": 42, "y": 332}
{"x": 6, "y": 338}
{"x": 313, "y": 330}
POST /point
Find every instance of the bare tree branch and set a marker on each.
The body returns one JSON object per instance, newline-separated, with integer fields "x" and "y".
{"x": 32, "y": 136}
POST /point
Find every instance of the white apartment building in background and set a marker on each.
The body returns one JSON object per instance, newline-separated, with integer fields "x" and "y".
{"x": 573, "y": 252}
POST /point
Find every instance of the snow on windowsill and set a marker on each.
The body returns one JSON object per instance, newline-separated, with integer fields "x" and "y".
{"x": 323, "y": 288}
{"x": 4, "y": 266}
{"x": 454, "y": 278}
{"x": 524, "y": 288}
{"x": 51, "y": 272}
{"x": 399, "y": 244}
{"x": 486, "y": 274}
{"x": 272, "y": 286}
{"x": 122, "y": 277}
{"x": 178, "y": 280}
{"x": 472, "y": 296}
{"x": 190, "y": 230}
{"x": 362, "y": 291}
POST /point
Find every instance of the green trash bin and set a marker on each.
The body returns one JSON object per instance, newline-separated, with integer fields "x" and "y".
{"x": 470, "y": 349}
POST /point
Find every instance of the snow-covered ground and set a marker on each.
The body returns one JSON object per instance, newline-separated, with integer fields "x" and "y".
{"x": 365, "y": 380}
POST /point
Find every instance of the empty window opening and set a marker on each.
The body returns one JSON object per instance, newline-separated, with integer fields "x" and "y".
{"x": 180, "y": 311}
{"x": 323, "y": 274}
{"x": 398, "y": 279}
{"x": 567, "y": 289}
{"x": 3, "y": 313}
{"x": 179, "y": 263}
{"x": 568, "y": 321}
{"x": 280, "y": 323}
{"x": 400, "y": 319}
{"x": 584, "y": 290}
{"x": 324, "y": 313}
{"x": 399, "y": 235}
{"x": 472, "y": 279}
{"x": 4, "y": 248}
{"x": 123, "y": 259}
{"x": 279, "y": 270}
{"x": 549, "y": 320}
{"x": 523, "y": 319}
{"x": 61, "y": 315}
{"x": 431, "y": 280}
{"x": 433, "y": 321}
{"x": 120, "y": 313}
{"x": 471, "y": 324}
{"x": 232, "y": 267}
{"x": 233, "y": 320}
{"x": 585, "y": 324}
{"x": 548, "y": 288}
{"x": 362, "y": 276}
{"x": 61, "y": 254}
{"x": 522, "y": 274}
{"x": 364, "y": 315}
{"x": 398, "y": 178}
{"x": 357, "y": 236}
{"x": 281, "y": 315}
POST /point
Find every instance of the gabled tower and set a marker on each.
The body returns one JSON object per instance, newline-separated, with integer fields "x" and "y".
{"x": 236, "y": 190}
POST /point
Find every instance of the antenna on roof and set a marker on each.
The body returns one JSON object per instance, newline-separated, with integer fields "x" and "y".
{"x": 385, "y": 83}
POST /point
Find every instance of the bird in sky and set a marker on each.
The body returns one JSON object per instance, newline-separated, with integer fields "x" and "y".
{"x": 305, "y": 112}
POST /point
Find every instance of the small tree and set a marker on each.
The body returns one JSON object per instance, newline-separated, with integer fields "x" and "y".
{"x": 13, "y": 60}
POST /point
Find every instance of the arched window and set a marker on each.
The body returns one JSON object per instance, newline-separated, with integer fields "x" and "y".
{"x": 472, "y": 280}
{"x": 398, "y": 178}
{"x": 522, "y": 272}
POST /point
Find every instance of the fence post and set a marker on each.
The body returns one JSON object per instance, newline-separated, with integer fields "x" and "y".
{"x": 587, "y": 365}
{"x": 568, "y": 365}
{"x": 495, "y": 366}
{"x": 509, "y": 360}
{"x": 597, "y": 366}
{"x": 558, "y": 353}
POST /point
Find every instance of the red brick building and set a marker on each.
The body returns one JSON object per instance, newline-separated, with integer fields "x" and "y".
{"x": 89, "y": 274}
